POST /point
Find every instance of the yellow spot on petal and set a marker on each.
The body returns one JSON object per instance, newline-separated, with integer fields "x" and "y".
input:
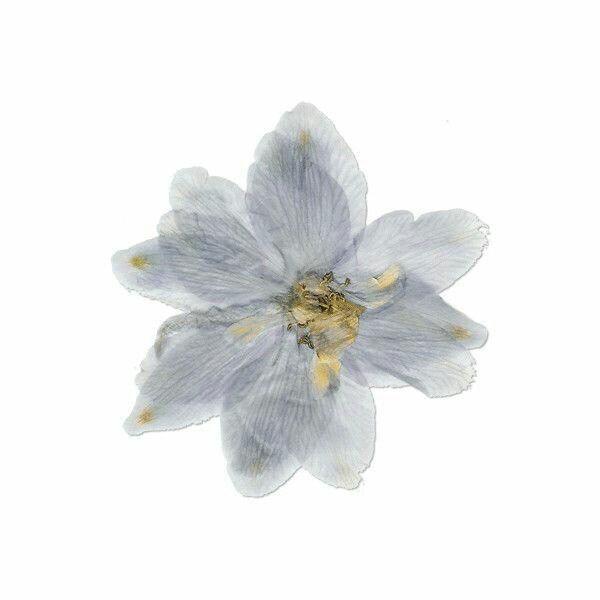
{"x": 327, "y": 367}
{"x": 304, "y": 138}
{"x": 321, "y": 376}
{"x": 248, "y": 329}
{"x": 460, "y": 333}
{"x": 330, "y": 360}
{"x": 388, "y": 277}
{"x": 257, "y": 467}
{"x": 139, "y": 262}
{"x": 145, "y": 416}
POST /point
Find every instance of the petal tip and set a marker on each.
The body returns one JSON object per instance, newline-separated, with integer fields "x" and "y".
{"x": 131, "y": 428}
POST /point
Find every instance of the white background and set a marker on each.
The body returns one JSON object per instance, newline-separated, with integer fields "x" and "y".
{"x": 488, "y": 106}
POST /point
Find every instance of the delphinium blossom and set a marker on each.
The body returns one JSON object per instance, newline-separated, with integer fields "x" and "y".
{"x": 293, "y": 308}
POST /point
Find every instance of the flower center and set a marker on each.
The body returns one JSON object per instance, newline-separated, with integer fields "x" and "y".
{"x": 324, "y": 320}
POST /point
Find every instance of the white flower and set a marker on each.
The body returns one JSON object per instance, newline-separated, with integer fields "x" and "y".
{"x": 295, "y": 308}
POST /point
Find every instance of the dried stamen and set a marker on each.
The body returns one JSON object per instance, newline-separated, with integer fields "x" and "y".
{"x": 330, "y": 319}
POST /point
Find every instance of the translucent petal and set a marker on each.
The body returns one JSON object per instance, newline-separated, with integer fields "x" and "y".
{"x": 461, "y": 328}
{"x": 146, "y": 269}
{"x": 297, "y": 207}
{"x": 435, "y": 250}
{"x": 396, "y": 343}
{"x": 359, "y": 366}
{"x": 198, "y": 261}
{"x": 255, "y": 426}
{"x": 206, "y": 255}
{"x": 376, "y": 288}
{"x": 268, "y": 314}
{"x": 193, "y": 190}
{"x": 186, "y": 185}
{"x": 276, "y": 419}
{"x": 324, "y": 146}
{"x": 188, "y": 371}
{"x": 218, "y": 259}
{"x": 255, "y": 468}
{"x": 346, "y": 446}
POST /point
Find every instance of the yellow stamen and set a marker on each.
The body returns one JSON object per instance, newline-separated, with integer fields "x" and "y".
{"x": 328, "y": 322}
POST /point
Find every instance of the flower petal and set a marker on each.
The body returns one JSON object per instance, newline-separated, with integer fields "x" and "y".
{"x": 255, "y": 467}
{"x": 324, "y": 146}
{"x": 435, "y": 250}
{"x": 218, "y": 259}
{"x": 397, "y": 344}
{"x": 187, "y": 372}
{"x": 277, "y": 417}
{"x": 193, "y": 190}
{"x": 360, "y": 368}
{"x": 297, "y": 207}
{"x": 146, "y": 269}
{"x": 198, "y": 261}
{"x": 376, "y": 289}
{"x": 346, "y": 447}
{"x": 185, "y": 186}
{"x": 254, "y": 430}
{"x": 206, "y": 255}
{"x": 467, "y": 332}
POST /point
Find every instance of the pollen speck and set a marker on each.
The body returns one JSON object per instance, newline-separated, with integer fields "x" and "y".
{"x": 304, "y": 138}
{"x": 460, "y": 333}
{"x": 145, "y": 416}
{"x": 139, "y": 262}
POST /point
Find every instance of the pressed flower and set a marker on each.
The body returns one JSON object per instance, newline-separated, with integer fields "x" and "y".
{"x": 295, "y": 308}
